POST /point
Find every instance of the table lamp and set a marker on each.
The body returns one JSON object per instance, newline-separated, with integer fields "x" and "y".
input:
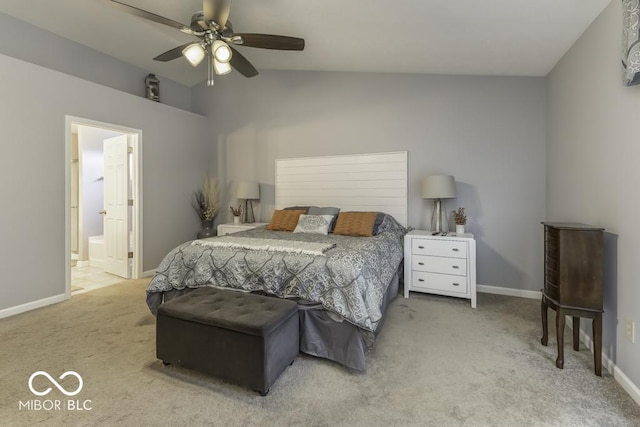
{"x": 247, "y": 191}
{"x": 438, "y": 187}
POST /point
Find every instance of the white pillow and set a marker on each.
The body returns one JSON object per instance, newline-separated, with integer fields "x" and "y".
{"x": 314, "y": 224}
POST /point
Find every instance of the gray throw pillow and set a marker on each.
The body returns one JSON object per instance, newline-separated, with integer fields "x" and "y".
{"x": 314, "y": 224}
{"x": 314, "y": 210}
{"x": 376, "y": 226}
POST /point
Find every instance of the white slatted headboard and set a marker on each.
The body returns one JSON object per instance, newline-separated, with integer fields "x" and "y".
{"x": 363, "y": 182}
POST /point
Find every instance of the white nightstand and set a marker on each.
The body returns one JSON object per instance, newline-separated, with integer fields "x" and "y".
{"x": 224, "y": 229}
{"x": 443, "y": 265}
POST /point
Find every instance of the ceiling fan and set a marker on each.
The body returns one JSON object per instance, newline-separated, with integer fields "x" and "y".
{"x": 215, "y": 32}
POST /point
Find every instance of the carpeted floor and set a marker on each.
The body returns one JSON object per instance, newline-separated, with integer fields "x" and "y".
{"x": 437, "y": 362}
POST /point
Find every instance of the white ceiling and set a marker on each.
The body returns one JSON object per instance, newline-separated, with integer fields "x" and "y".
{"x": 488, "y": 37}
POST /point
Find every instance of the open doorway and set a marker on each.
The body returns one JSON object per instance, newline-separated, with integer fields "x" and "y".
{"x": 103, "y": 204}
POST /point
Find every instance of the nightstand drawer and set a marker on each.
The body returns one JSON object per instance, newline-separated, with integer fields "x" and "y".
{"x": 437, "y": 264}
{"x": 438, "y": 282}
{"x": 444, "y": 248}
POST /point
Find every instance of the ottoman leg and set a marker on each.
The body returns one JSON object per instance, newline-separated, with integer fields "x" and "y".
{"x": 264, "y": 393}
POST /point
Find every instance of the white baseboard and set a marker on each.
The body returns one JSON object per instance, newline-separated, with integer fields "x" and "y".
{"x": 626, "y": 384}
{"x": 82, "y": 263}
{"x": 148, "y": 273}
{"x": 96, "y": 262}
{"x": 12, "y": 311}
{"x": 499, "y": 290}
{"x": 610, "y": 366}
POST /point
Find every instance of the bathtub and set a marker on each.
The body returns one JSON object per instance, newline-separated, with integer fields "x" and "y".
{"x": 96, "y": 251}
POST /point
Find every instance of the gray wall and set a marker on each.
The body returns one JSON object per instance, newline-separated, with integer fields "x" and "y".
{"x": 32, "y": 44}
{"x": 489, "y": 132}
{"x": 592, "y": 159}
{"x": 175, "y": 151}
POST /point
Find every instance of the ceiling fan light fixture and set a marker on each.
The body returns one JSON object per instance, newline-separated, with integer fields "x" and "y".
{"x": 194, "y": 54}
{"x": 221, "y": 67}
{"x": 221, "y": 51}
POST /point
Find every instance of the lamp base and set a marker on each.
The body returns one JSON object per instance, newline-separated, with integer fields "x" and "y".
{"x": 246, "y": 216}
{"x": 437, "y": 221}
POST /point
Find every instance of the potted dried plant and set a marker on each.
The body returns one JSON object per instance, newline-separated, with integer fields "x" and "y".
{"x": 236, "y": 214}
{"x": 460, "y": 219}
{"x": 205, "y": 203}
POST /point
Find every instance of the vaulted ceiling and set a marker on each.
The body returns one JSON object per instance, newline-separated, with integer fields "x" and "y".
{"x": 488, "y": 37}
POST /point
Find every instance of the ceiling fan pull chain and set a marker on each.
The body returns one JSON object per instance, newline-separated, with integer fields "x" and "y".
{"x": 210, "y": 70}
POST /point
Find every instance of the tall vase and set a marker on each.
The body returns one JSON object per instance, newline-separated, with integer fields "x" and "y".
{"x": 207, "y": 230}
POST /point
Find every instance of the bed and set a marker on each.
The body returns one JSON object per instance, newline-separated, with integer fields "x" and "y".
{"x": 343, "y": 285}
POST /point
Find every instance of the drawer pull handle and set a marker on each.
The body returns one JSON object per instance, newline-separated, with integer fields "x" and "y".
{"x": 455, "y": 250}
{"x": 420, "y": 247}
{"x": 456, "y": 267}
{"x": 421, "y": 263}
{"x": 420, "y": 280}
{"x": 456, "y": 284}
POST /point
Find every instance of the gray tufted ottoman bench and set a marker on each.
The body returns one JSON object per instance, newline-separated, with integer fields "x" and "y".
{"x": 242, "y": 338}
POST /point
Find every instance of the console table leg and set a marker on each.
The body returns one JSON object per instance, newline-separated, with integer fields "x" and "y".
{"x": 597, "y": 343}
{"x": 560, "y": 338}
{"x": 576, "y": 333}
{"x": 545, "y": 328}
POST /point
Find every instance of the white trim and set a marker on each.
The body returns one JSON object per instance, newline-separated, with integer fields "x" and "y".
{"x": 357, "y": 182}
{"x": 625, "y": 382}
{"x": 609, "y": 365}
{"x": 137, "y": 205}
{"x": 148, "y": 273}
{"x": 85, "y": 263}
{"x": 12, "y": 311}
{"x": 137, "y": 196}
{"x": 97, "y": 263}
{"x": 499, "y": 290}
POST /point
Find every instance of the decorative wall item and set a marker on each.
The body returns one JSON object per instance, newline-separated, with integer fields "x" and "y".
{"x": 152, "y": 85}
{"x": 631, "y": 42}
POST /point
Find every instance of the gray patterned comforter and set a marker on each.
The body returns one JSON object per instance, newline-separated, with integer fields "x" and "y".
{"x": 349, "y": 280}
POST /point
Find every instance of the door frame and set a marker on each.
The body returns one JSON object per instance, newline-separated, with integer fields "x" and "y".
{"x": 137, "y": 192}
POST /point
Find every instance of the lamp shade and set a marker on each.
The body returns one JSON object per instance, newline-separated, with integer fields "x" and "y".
{"x": 221, "y": 67}
{"x": 221, "y": 51}
{"x": 194, "y": 53}
{"x": 248, "y": 190}
{"x": 439, "y": 187}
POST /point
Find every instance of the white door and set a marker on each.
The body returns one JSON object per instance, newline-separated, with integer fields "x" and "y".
{"x": 116, "y": 206}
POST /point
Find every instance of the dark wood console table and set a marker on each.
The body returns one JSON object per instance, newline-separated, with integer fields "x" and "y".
{"x": 573, "y": 284}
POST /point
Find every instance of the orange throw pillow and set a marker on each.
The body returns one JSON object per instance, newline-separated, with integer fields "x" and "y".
{"x": 358, "y": 224}
{"x": 285, "y": 220}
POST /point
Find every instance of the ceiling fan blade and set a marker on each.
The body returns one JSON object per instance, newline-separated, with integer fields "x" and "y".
{"x": 172, "y": 54}
{"x": 242, "y": 64}
{"x": 216, "y": 11}
{"x": 270, "y": 41}
{"x": 151, "y": 16}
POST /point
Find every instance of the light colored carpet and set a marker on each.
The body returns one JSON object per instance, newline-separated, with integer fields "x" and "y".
{"x": 436, "y": 362}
